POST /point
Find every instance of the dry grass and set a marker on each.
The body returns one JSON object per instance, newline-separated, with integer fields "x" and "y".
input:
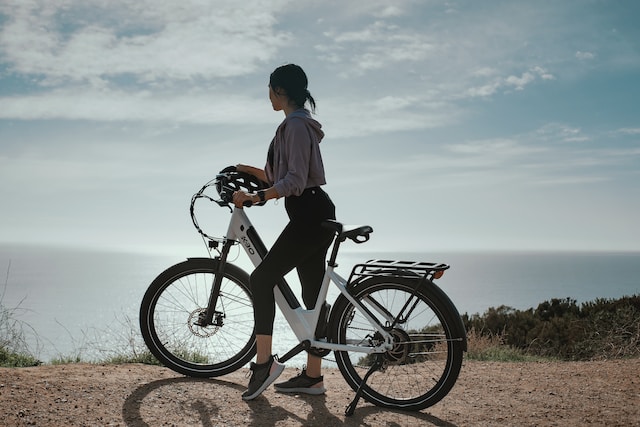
{"x": 482, "y": 346}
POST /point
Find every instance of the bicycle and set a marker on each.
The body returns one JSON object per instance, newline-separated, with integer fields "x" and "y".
{"x": 398, "y": 339}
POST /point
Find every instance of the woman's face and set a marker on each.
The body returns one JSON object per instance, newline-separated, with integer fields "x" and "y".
{"x": 277, "y": 101}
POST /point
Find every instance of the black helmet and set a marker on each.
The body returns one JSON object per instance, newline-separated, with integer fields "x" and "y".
{"x": 229, "y": 180}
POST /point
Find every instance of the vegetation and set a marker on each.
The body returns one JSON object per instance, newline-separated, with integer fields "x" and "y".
{"x": 14, "y": 350}
{"x": 557, "y": 329}
{"x": 560, "y": 328}
{"x": 11, "y": 359}
{"x": 488, "y": 347}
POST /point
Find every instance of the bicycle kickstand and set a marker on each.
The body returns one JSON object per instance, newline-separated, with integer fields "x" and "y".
{"x": 377, "y": 364}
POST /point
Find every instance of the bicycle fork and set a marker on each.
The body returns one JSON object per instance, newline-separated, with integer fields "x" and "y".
{"x": 210, "y": 316}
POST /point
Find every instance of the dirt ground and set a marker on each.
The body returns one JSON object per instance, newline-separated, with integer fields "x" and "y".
{"x": 486, "y": 394}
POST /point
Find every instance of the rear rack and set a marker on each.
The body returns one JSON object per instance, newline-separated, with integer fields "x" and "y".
{"x": 407, "y": 269}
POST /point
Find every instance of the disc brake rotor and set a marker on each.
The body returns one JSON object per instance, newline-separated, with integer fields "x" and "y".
{"x": 197, "y": 330}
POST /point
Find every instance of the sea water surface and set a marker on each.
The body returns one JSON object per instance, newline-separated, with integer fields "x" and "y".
{"x": 85, "y": 303}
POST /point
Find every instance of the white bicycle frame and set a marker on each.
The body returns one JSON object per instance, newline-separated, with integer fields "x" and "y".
{"x": 301, "y": 321}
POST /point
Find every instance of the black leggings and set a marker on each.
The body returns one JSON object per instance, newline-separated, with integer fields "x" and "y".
{"x": 303, "y": 245}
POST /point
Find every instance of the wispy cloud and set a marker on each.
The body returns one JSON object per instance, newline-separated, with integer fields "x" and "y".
{"x": 151, "y": 42}
{"x": 512, "y": 82}
{"x": 119, "y": 105}
{"x": 585, "y": 55}
{"x": 378, "y": 45}
{"x": 554, "y": 154}
{"x": 559, "y": 132}
{"x": 629, "y": 131}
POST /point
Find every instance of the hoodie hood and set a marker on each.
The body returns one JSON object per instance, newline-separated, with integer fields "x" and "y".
{"x": 303, "y": 114}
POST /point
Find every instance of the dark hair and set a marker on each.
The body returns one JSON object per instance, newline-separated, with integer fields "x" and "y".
{"x": 294, "y": 81}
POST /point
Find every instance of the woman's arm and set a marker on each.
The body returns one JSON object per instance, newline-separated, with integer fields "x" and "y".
{"x": 258, "y": 173}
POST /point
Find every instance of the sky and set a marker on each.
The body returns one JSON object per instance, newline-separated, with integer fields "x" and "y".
{"x": 450, "y": 125}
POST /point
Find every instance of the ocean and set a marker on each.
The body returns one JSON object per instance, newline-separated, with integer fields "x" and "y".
{"x": 84, "y": 303}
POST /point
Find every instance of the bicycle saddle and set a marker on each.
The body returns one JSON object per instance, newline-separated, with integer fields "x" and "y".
{"x": 357, "y": 233}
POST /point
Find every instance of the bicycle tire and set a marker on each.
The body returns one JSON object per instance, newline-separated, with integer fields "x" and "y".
{"x": 427, "y": 356}
{"x": 173, "y": 302}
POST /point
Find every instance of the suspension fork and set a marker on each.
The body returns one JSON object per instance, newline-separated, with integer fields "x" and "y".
{"x": 206, "y": 318}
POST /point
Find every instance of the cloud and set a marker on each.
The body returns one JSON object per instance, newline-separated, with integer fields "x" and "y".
{"x": 120, "y": 105}
{"x": 584, "y": 56}
{"x": 561, "y": 132}
{"x": 163, "y": 61}
{"x": 376, "y": 46}
{"x": 515, "y": 82}
{"x": 555, "y": 154}
{"x": 629, "y": 131}
{"x": 149, "y": 41}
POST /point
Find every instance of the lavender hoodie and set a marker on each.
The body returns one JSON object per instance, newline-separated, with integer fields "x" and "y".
{"x": 297, "y": 163}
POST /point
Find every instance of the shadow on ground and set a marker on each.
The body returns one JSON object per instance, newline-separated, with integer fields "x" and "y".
{"x": 212, "y": 402}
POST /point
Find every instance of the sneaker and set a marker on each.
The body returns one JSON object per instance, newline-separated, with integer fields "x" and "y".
{"x": 302, "y": 384}
{"x": 263, "y": 375}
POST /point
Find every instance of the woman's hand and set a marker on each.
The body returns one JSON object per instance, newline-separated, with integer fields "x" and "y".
{"x": 258, "y": 173}
{"x": 241, "y": 197}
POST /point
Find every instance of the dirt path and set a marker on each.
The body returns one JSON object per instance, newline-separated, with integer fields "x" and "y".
{"x": 486, "y": 394}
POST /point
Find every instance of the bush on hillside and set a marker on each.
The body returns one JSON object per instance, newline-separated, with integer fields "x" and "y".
{"x": 561, "y": 328}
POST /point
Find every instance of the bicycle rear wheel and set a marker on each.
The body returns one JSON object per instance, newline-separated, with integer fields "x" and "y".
{"x": 429, "y": 341}
{"x": 171, "y": 306}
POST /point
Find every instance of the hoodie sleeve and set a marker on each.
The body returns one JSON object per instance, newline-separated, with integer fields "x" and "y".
{"x": 296, "y": 154}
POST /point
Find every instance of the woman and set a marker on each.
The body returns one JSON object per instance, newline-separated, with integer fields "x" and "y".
{"x": 295, "y": 171}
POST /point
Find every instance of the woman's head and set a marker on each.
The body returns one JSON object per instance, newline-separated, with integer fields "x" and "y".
{"x": 291, "y": 80}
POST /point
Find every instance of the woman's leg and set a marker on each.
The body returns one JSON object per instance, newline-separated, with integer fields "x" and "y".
{"x": 302, "y": 244}
{"x": 292, "y": 249}
{"x": 263, "y": 345}
{"x": 314, "y": 366}
{"x": 289, "y": 250}
{"x": 311, "y": 272}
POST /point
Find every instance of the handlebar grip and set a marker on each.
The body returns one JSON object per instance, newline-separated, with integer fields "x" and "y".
{"x": 247, "y": 203}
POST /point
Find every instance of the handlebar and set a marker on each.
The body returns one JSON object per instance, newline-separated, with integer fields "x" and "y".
{"x": 227, "y": 182}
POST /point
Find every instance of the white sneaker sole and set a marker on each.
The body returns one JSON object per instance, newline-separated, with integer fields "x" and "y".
{"x": 279, "y": 368}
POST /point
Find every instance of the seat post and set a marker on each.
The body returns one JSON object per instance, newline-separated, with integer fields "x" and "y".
{"x": 334, "y": 251}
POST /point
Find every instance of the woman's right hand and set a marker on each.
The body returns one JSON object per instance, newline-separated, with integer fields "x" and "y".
{"x": 242, "y": 199}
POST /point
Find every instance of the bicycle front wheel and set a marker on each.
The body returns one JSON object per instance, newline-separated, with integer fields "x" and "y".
{"x": 172, "y": 306}
{"x": 429, "y": 341}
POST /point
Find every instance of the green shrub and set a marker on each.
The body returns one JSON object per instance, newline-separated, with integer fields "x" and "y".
{"x": 560, "y": 328}
{"x": 11, "y": 359}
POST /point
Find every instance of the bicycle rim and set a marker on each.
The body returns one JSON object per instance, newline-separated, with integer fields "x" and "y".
{"x": 426, "y": 359}
{"x": 171, "y": 308}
